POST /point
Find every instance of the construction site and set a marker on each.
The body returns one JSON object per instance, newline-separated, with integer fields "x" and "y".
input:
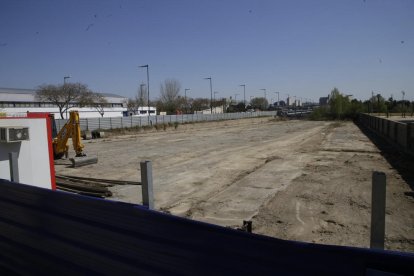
{"x": 299, "y": 180}
{"x": 173, "y": 199}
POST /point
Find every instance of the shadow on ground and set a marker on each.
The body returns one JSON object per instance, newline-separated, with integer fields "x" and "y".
{"x": 400, "y": 161}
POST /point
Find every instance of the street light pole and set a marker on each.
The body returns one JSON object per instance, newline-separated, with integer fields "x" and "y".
{"x": 64, "y": 87}
{"x": 264, "y": 89}
{"x": 147, "y": 88}
{"x": 142, "y": 90}
{"x": 277, "y": 98}
{"x": 215, "y": 104}
{"x": 211, "y": 95}
{"x": 403, "y": 104}
{"x": 235, "y": 98}
{"x": 185, "y": 98}
{"x": 244, "y": 94}
{"x": 64, "y": 79}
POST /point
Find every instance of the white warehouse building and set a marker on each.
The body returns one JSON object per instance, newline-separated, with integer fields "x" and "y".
{"x": 15, "y": 101}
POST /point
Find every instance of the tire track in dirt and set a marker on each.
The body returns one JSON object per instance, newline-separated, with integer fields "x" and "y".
{"x": 242, "y": 198}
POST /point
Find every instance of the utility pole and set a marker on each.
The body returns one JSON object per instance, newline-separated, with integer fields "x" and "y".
{"x": 277, "y": 98}
{"x": 185, "y": 98}
{"x": 211, "y": 95}
{"x": 244, "y": 94}
{"x": 148, "y": 100}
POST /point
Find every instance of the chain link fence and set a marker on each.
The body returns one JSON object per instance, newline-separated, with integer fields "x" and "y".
{"x": 140, "y": 121}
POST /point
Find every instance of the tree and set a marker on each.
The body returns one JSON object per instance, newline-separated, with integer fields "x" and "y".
{"x": 199, "y": 104}
{"x": 240, "y": 107}
{"x": 95, "y": 100}
{"x": 63, "y": 96}
{"x": 131, "y": 105}
{"x": 378, "y": 103}
{"x": 260, "y": 103}
{"x": 169, "y": 95}
{"x": 341, "y": 107}
{"x": 338, "y": 104}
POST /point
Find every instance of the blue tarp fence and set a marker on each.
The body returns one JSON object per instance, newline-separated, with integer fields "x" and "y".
{"x": 44, "y": 232}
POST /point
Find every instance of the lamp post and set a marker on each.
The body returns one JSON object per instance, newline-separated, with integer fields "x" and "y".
{"x": 244, "y": 94}
{"x": 64, "y": 88}
{"x": 264, "y": 89}
{"x": 146, "y": 66}
{"x": 185, "y": 98}
{"x": 141, "y": 96}
{"x": 403, "y": 104}
{"x": 215, "y": 104}
{"x": 211, "y": 95}
{"x": 277, "y": 97}
{"x": 235, "y": 98}
{"x": 64, "y": 79}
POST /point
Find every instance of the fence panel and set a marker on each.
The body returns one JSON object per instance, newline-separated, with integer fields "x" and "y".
{"x": 140, "y": 121}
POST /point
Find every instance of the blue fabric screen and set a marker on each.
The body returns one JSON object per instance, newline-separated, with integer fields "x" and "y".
{"x": 51, "y": 232}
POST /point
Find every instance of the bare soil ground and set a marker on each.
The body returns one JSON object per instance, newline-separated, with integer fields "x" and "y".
{"x": 298, "y": 180}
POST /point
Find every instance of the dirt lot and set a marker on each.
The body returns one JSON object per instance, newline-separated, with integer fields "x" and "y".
{"x": 298, "y": 180}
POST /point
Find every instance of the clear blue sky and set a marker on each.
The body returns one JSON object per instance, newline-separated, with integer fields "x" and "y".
{"x": 297, "y": 47}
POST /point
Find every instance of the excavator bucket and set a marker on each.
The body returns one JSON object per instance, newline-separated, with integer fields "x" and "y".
{"x": 80, "y": 161}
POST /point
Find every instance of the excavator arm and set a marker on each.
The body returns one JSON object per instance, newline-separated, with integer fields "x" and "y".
{"x": 60, "y": 143}
{"x": 70, "y": 130}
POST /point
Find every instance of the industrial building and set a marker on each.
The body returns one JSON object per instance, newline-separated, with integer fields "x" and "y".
{"x": 16, "y": 101}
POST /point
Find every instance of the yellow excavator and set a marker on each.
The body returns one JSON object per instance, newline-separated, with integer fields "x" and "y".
{"x": 60, "y": 141}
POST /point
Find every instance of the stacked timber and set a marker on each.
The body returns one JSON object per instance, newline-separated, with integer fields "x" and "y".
{"x": 89, "y": 186}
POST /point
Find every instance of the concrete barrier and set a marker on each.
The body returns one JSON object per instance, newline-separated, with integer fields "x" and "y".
{"x": 391, "y": 133}
{"x": 410, "y": 136}
{"x": 401, "y": 134}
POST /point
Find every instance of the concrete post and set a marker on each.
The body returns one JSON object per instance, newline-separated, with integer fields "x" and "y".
{"x": 378, "y": 210}
{"x": 14, "y": 167}
{"x": 146, "y": 184}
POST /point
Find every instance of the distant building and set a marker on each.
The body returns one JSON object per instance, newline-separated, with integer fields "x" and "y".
{"x": 142, "y": 111}
{"x": 293, "y": 102}
{"x": 216, "y": 110}
{"x": 323, "y": 101}
{"x": 15, "y": 101}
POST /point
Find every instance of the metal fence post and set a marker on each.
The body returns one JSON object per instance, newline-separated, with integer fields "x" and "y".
{"x": 14, "y": 167}
{"x": 378, "y": 210}
{"x": 146, "y": 184}
{"x": 110, "y": 122}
